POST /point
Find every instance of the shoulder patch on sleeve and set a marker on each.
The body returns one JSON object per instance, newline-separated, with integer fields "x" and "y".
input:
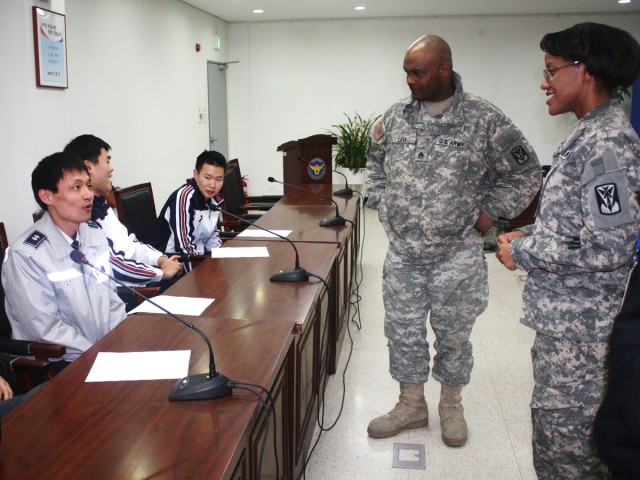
{"x": 608, "y": 199}
{"x": 511, "y": 144}
{"x": 93, "y": 224}
{"x": 608, "y": 193}
{"x": 519, "y": 154}
{"x": 35, "y": 239}
{"x": 378, "y": 131}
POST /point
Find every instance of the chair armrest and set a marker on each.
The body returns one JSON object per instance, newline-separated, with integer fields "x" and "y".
{"x": 263, "y": 207}
{"x": 28, "y": 347}
{"x": 264, "y": 198}
{"x": 48, "y": 350}
{"x": 26, "y": 370}
{"x": 31, "y": 367}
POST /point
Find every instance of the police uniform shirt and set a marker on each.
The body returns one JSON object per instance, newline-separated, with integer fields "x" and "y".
{"x": 50, "y": 298}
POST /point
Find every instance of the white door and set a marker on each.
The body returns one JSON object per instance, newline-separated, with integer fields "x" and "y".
{"x": 218, "y": 134}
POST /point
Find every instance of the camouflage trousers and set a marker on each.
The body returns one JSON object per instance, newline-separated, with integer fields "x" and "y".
{"x": 569, "y": 386}
{"x": 454, "y": 291}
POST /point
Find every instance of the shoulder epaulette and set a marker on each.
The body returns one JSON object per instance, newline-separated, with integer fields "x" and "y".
{"x": 35, "y": 239}
{"x": 93, "y": 224}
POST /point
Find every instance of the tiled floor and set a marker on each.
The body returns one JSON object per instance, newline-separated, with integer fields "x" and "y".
{"x": 496, "y": 401}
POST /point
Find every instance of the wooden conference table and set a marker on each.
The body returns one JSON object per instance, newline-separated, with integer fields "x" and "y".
{"x": 130, "y": 430}
{"x": 301, "y": 213}
{"x": 271, "y": 334}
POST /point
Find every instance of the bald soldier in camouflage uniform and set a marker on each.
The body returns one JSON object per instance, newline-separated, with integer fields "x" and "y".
{"x": 443, "y": 164}
{"x": 578, "y": 252}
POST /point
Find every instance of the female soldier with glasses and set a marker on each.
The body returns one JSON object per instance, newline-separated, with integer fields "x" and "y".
{"x": 578, "y": 251}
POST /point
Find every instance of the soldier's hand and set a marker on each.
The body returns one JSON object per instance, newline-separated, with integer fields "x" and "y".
{"x": 483, "y": 223}
{"x": 503, "y": 254}
{"x": 509, "y": 236}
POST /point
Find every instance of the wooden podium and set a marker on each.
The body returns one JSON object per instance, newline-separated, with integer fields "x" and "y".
{"x": 307, "y": 160}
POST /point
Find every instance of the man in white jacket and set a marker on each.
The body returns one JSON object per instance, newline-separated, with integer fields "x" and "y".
{"x": 133, "y": 262}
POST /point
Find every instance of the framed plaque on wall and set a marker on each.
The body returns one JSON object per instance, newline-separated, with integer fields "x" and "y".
{"x": 50, "y": 43}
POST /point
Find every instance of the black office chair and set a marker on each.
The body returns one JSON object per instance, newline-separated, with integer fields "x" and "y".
{"x": 22, "y": 373}
{"x": 136, "y": 210}
{"x": 262, "y": 202}
{"x": 233, "y": 202}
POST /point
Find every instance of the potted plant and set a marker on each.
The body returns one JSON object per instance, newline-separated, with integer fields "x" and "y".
{"x": 353, "y": 142}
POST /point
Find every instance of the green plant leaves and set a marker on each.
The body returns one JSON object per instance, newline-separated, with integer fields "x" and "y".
{"x": 353, "y": 142}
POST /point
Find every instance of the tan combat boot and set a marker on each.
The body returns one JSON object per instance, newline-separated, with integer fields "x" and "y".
{"x": 410, "y": 412}
{"x": 452, "y": 423}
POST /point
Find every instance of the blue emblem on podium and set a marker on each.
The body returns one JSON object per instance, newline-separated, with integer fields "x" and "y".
{"x": 317, "y": 168}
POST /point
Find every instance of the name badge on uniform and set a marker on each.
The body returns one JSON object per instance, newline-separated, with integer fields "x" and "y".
{"x": 451, "y": 142}
{"x": 404, "y": 139}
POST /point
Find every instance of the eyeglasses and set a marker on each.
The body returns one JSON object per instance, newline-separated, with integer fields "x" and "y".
{"x": 549, "y": 73}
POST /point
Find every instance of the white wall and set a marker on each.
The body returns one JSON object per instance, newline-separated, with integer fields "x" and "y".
{"x": 295, "y": 79}
{"x": 135, "y": 80}
{"x": 28, "y": 119}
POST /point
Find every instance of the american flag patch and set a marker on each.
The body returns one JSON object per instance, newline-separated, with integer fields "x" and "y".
{"x": 378, "y": 131}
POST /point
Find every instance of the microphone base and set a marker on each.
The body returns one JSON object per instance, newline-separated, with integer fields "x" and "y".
{"x": 297, "y": 275}
{"x": 332, "y": 222}
{"x": 200, "y": 387}
{"x": 346, "y": 191}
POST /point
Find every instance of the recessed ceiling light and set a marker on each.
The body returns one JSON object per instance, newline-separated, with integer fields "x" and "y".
{"x": 258, "y": 10}
{"x": 624, "y": 1}
{"x": 359, "y": 7}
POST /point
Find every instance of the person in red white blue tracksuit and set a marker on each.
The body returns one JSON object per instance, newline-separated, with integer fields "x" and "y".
{"x": 188, "y": 222}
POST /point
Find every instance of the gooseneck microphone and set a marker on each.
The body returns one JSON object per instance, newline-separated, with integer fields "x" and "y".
{"x": 346, "y": 191}
{"x": 192, "y": 387}
{"x": 297, "y": 274}
{"x": 327, "y": 222}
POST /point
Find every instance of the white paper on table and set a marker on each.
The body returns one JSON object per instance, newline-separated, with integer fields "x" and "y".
{"x": 176, "y": 305}
{"x": 254, "y": 232}
{"x": 117, "y": 366}
{"x": 238, "y": 252}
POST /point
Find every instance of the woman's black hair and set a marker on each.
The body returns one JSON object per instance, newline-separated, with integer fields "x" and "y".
{"x": 610, "y": 54}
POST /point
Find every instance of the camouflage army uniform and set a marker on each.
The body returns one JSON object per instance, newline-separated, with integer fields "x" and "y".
{"x": 429, "y": 177}
{"x": 577, "y": 255}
